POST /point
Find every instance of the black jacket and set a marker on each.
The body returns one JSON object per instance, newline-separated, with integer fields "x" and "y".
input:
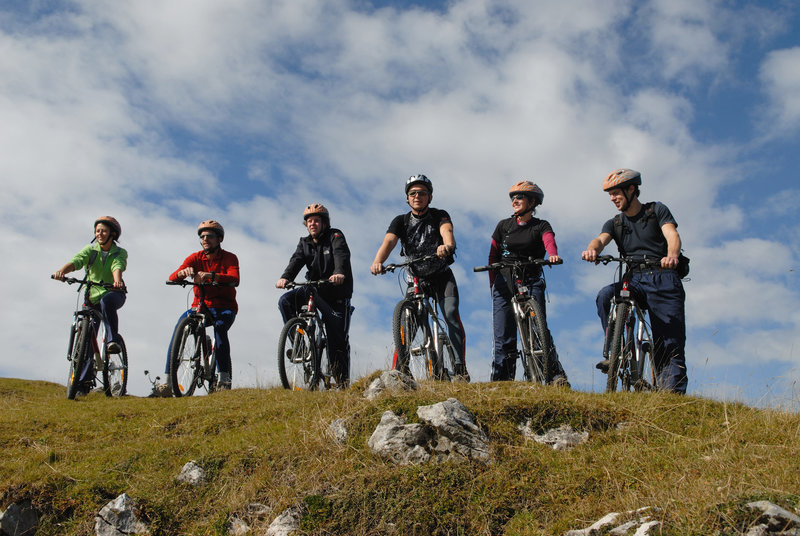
{"x": 329, "y": 255}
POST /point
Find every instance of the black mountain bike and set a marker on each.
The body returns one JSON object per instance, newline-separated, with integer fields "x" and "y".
{"x": 537, "y": 346}
{"x": 303, "y": 356}
{"x": 628, "y": 345}
{"x": 192, "y": 355}
{"x": 85, "y": 357}
{"x": 421, "y": 343}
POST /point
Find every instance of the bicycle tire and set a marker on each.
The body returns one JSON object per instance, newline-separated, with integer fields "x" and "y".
{"x": 184, "y": 357}
{"x": 115, "y": 370}
{"x": 414, "y": 357}
{"x": 646, "y": 367}
{"x": 445, "y": 357}
{"x": 77, "y": 356}
{"x": 536, "y": 344}
{"x": 297, "y": 365}
{"x": 621, "y": 350}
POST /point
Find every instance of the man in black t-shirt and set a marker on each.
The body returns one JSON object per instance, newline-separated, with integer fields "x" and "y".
{"x": 647, "y": 230}
{"x": 427, "y": 231}
{"x": 324, "y": 252}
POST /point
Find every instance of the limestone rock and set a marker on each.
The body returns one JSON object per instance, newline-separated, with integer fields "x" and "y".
{"x": 286, "y": 523}
{"x": 338, "y": 431}
{"x": 192, "y": 474}
{"x": 19, "y": 520}
{"x": 391, "y": 380}
{"x": 561, "y": 438}
{"x": 776, "y": 519}
{"x": 118, "y": 518}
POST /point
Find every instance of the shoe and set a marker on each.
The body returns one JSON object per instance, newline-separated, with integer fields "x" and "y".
{"x": 113, "y": 348}
{"x": 460, "y": 374}
{"x": 603, "y": 366}
{"x": 83, "y": 389}
{"x": 560, "y": 381}
{"x": 224, "y": 382}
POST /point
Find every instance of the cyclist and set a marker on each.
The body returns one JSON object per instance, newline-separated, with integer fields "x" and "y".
{"x": 424, "y": 231}
{"x": 213, "y": 264}
{"x": 647, "y": 230}
{"x": 519, "y": 237}
{"x": 324, "y": 252}
{"x": 104, "y": 262}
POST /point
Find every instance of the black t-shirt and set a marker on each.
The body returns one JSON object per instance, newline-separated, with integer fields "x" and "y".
{"x": 421, "y": 237}
{"x": 641, "y": 234}
{"x": 518, "y": 242}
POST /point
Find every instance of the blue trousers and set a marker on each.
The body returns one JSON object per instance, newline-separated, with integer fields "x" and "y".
{"x": 661, "y": 292}
{"x": 335, "y": 316}
{"x": 223, "y": 320}
{"x": 504, "y": 359}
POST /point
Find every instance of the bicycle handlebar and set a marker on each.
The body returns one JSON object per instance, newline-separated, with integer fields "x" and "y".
{"x": 508, "y": 264}
{"x": 317, "y": 283}
{"x": 90, "y": 284}
{"x": 186, "y": 282}
{"x": 630, "y": 261}
{"x": 393, "y": 267}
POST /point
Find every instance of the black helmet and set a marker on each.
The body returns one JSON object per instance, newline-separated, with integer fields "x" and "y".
{"x": 419, "y": 179}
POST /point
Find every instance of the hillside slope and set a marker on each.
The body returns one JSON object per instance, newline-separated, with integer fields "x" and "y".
{"x": 699, "y": 461}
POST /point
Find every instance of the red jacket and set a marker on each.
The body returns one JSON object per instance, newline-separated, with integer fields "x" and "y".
{"x": 226, "y": 266}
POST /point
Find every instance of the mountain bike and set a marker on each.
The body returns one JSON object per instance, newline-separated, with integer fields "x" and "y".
{"x": 303, "y": 354}
{"x": 423, "y": 348}
{"x": 537, "y": 346}
{"x": 192, "y": 354}
{"x": 86, "y": 359}
{"x": 628, "y": 344}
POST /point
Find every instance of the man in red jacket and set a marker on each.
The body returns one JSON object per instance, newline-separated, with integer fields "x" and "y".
{"x": 213, "y": 264}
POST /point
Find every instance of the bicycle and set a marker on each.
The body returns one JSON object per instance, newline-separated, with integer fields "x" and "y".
{"x": 537, "y": 345}
{"x": 192, "y": 353}
{"x": 84, "y": 354}
{"x": 423, "y": 348}
{"x": 303, "y": 358}
{"x": 628, "y": 344}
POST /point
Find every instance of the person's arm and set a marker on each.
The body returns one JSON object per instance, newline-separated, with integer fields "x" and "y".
{"x": 595, "y": 247}
{"x": 118, "y": 265}
{"x": 230, "y": 270}
{"x": 184, "y": 270}
{"x": 389, "y": 242}
{"x": 448, "y": 246}
{"x": 673, "y": 245}
{"x": 341, "y": 259}
{"x": 62, "y": 272}
{"x": 549, "y": 240}
{"x": 296, "y": 263}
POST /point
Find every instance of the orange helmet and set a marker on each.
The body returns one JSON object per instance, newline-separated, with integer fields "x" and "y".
{"x": 621, "y": 178}
{"x": 529, "y": 189}
{"x": 212, "y": 225}
{"x": 317, "y": 209}
{"x": 112, "y": 222}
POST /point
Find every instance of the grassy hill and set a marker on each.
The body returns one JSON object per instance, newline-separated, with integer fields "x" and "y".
{"x": 698, "y": 460}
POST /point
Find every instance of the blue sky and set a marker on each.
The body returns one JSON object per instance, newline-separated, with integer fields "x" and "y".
{"x": 166, "y": 113}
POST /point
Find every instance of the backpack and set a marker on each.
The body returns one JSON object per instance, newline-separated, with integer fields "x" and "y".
{"x": 649, "y": 215}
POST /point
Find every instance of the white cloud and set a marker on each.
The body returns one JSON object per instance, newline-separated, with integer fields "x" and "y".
{"x": 780, "y": 75}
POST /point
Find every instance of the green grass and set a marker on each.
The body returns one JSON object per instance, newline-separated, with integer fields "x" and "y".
{"x": 698, "y": 460}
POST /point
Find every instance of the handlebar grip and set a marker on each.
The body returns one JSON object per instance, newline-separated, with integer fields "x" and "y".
{"x": 481, "y": 269}
{"x": 559, "y": 261}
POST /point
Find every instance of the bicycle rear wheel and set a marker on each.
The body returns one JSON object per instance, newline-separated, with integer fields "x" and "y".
{"x": 115, "y": 370}
{"x": 621, "y": 352}
{"x": 297, "y": 365}
{"x": 536, "y": 344}
{"x": 409, "y": 331}
{"x": 77, "y": 355}
{"x": 184, "y": 357}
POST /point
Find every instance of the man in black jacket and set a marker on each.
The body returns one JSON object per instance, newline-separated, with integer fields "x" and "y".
{"x": 325, "y": 254}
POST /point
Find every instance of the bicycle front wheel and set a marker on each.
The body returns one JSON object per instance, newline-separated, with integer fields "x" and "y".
{"x": 115, "y": 370}
{"x": 297, "y": 365}
{"x": 622, "y": 351}
{"x": 409, "y": 330}
{"x": 536, "y": 344}
{"x": 184, "y": 357}
{"x": 77, "y": 355}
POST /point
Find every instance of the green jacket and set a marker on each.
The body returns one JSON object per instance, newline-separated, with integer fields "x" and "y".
{"x": 100, "y": 271}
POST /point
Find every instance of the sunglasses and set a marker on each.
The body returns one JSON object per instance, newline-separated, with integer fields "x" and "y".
{"x": 518, "y": 196}
{"x": 207, "y": 236}
{"x": 415, "y": 193}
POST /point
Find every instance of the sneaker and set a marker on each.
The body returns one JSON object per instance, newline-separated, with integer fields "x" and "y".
{"x": 224, "y": 382}
{"x": 113, "y": 348}
{"x": 603, "y": 366}
{"x": 460, "y": 374}
{"x": 561, "y": 381}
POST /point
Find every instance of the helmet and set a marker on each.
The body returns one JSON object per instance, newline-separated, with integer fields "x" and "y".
{"x": 212, "y": 225}
{"x": 111, "y": 222}
{"x": 419, "y": 179}
{"x": 318, "y": 210}
{"x": 621, "y": 178}
{"x": 527, "y": 188}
